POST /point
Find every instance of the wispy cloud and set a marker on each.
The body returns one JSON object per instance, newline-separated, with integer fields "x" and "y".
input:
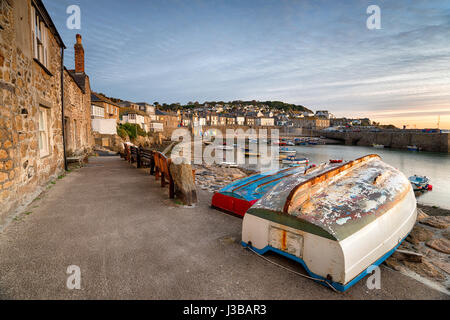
{"x": 315, "y": 53}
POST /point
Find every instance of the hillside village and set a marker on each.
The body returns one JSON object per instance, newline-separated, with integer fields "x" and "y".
{"x": 51, "y": 114}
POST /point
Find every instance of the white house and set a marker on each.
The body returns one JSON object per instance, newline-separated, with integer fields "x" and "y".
{"x": 134, "y": 118}
{"x": 265, "y": 121}
{"x": 97, "y": 112}
{"x": 240, "y": 120}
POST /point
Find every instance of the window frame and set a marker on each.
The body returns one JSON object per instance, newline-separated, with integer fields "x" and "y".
{"x": 40, "y": 37}
{"x": 43, "y": 132}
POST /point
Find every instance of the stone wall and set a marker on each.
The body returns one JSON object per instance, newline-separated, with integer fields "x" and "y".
{"x": 399, "y": 139}
{"x": 25, "y": 86}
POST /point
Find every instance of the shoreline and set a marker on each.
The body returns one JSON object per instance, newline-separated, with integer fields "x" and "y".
{"x": 433, "y": 210}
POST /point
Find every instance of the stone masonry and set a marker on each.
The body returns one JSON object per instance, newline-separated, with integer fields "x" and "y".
{"x": 25, "y": 86}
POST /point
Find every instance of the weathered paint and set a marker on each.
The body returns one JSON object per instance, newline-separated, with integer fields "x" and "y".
{"x": 339, "y": 201}
{"x": 353, "y": 219}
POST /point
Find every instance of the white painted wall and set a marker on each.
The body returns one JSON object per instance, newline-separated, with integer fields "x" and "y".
{"x": 104, "y": 126}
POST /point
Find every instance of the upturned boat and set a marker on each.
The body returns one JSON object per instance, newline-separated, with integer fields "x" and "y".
{"x": 241, "y": 194}
{"x": 337, "y": 220}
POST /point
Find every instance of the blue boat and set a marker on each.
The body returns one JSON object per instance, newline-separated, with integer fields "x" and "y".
{"x": 241, "y": 194}
{"x": 420, "y": 183}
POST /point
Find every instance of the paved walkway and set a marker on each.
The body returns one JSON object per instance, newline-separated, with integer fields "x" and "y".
{"x": 131, "y": 242}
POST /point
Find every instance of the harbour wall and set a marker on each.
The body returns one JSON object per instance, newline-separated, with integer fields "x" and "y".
{"x": 399, "y": 139}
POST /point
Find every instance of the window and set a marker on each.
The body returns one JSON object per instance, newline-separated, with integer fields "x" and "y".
{"x": 40, "y": 38}
{"x": 97, "y": 111}
{"x": 43, "y": 132}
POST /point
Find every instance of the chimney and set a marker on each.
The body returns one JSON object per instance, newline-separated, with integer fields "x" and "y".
{"x": 79, "y": 55}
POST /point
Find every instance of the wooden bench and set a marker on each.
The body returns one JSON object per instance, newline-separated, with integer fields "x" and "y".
{"x": 126, "y": 152}
{"x": 162, "y": 164}
{"x": 134, "y": 154}
{"x": 78, "y": 159}
{"x": 146, "y": 158}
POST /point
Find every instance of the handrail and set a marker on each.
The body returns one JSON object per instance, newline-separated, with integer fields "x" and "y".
{"x": 322, "y": 177}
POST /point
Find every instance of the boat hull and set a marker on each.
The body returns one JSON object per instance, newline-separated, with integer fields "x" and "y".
{"x": 345, "y": 262}
{"x": 231, "y": 204}
{"x": 339, "y": 223}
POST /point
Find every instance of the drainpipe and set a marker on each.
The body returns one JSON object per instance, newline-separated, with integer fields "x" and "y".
{"x": 62, "y": 110}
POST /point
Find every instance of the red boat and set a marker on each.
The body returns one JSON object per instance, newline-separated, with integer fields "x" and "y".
{"x": 336, "y": 161}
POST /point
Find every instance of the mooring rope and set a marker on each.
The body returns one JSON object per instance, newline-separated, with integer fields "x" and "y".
{"x": 290, "y": 270}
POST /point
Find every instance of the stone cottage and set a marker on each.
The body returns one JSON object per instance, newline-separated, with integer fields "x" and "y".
{"x": 31, "y": 144}
{"x": 77, "y": 106}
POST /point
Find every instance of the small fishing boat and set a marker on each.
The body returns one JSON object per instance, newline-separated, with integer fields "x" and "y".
{"x": 378, "y": 146}
{"x": 287, "y": 151}
{"x": 224, "y": 147}
{"x": 294, "y": 160}
{"x": 249, "y": 153}
{"x": 339, "y": 221}
{"x": 278, "y": 143}
{"x": 241, "y": 194}
{"x": 228, "y": 164}
{"x": 336, "y": 160}
{"x": 413, "y": 148}
{"x": 281, "y": 157}
{"x": 290, "y": 143}
{"x": 420, "y": 183}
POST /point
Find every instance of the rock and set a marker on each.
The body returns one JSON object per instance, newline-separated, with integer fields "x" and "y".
{"x": 235, "y": 176}
{"x": 419, "y": 234}
{"x": 445, "y": 266}
{"x": 426, "y": 269}
{"x": 393, "y": 263}
{"x": 439, "y": 222}
{"x": 184, "y": 183}
{"x": 441, "y": 245}
{"x": 404, "y": 255}
{"x": 421, "y": 215}
{"x": 446, "y": 234}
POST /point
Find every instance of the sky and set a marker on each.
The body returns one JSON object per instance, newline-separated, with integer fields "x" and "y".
{"x": 319, "y": 54}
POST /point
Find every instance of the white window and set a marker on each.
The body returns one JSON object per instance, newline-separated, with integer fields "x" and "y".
{"x": 97, "y": 111}
{"x": 40, "y": 38}
{"x": 43, "y": 132}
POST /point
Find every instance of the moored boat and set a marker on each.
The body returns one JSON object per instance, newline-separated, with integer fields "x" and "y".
{"x": 294, "y": 160}
{"x": 338, "y": 221}
{"x": 287, "y": 151}
{"x": 413, "y": 148}
{"x": 336, "y": 160}
{"x": 420, "y": 183}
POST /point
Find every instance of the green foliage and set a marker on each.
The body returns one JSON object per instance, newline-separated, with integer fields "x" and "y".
{"x": 121, "y": 132}
{"x": 131, "y": 130}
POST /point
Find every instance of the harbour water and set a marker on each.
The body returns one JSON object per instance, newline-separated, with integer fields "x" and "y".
{"x": 435, "y": 166}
